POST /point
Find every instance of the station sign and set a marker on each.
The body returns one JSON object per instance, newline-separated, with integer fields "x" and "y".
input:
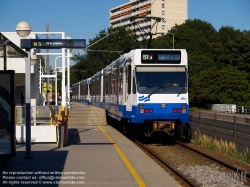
{"x": 53, "y": 43}
{"x": 58, "y": 43}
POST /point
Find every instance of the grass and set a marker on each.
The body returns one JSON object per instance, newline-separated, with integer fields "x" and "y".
{"x": 221, "y": 146}
{"x": 198, "y": 109}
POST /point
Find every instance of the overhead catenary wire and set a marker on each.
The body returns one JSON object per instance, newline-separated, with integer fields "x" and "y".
{"x": 126, "y": 17}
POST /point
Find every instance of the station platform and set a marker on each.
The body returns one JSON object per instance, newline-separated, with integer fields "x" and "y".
{"x": 96, "y": 156}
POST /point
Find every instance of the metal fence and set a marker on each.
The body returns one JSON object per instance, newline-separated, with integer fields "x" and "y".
{"x": 230, "y": 127}
{"x": 243, "y": 109}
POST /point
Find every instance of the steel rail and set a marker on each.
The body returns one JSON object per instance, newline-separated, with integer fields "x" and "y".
{"x": 170, "y": 166}
{"x": 226, "y": 164}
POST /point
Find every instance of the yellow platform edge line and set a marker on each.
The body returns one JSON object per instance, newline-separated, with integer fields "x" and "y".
{"x": 125, "y": 160}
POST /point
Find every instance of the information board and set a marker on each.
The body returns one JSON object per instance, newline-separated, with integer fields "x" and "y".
{"x": 58, "y": 43}
{"x": 160, "y": 57}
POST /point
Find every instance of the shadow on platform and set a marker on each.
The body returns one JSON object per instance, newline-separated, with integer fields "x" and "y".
{"x": 45, "y": 168}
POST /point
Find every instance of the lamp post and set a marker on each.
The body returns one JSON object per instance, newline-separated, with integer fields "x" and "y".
{"x": 23, "y": 30}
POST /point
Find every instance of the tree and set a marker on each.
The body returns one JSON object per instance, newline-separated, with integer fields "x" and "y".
{"x": 235, "y": 49}
{"x": 214, "y": 86}
{"x": 219, "y": 61}
{"x": 103, "y": 52}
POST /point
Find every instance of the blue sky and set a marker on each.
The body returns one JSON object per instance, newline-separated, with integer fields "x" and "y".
{"x": 87, "y": 17}
{"x": 82, "y": 19}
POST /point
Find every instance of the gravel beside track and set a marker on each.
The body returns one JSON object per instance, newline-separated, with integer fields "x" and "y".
{"x": 202, "y": 170}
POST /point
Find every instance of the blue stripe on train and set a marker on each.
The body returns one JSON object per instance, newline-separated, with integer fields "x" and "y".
{"x": 159, "y": 113}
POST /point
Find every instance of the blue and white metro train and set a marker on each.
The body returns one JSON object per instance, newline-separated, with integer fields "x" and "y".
{"x": 145, "y": 87}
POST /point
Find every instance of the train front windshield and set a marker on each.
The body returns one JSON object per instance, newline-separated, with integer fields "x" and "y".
{"x": 161, "y": 80}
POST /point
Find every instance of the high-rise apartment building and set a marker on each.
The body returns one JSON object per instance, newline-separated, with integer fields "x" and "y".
{"x": 141, "y": 15}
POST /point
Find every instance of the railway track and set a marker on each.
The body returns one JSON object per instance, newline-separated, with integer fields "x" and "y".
{"x": 183, "y": 179}
{"x": 217, "y": 160}
{"x": 182, "y": 176}
{"x": 176, "y": 154}
{"x": 178, "y": 175}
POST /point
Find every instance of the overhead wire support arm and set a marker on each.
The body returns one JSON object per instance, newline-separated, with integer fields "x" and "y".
{"x": 157, "y": 19}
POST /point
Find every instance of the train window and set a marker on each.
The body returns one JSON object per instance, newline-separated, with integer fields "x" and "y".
{"x": 116, "y": 80}
{"x": 87, "y": 91}
{"x": 109, "y": 84}
{"x": 113, "y": 83}
{"x": 83, "y": 89}
{"x": 99, "y": 86}
{"x": 106, "y": 85}
{"x": 120, "y": 80}
{"x": 134, "y": 86}
{"x": 128, "y": 73}
{"x": 93, "y": 88}
{"x": 96, "y": 85}
{"x": 121, "y": 74}
{"x": 90, "y": 88}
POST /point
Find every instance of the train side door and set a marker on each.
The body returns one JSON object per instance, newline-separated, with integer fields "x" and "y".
{"x": 128, "y": 96}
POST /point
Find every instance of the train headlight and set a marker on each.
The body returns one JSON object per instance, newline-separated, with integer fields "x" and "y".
{"x": 163, "y": 105}
{"x": 184, "y": 109}
{"x": 141, "y": 109}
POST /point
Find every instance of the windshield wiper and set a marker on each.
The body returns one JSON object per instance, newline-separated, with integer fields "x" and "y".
{"x": 161, "y": 87}
{"x": 181, "y": 91}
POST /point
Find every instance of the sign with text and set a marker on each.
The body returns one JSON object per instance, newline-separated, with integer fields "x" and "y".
{"x": 58, "y": 43}
{"x": 53, "y": 43}
{"x": 160, "y": 57}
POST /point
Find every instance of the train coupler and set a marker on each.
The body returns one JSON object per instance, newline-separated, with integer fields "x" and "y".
{"x": 165, "y": 126}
